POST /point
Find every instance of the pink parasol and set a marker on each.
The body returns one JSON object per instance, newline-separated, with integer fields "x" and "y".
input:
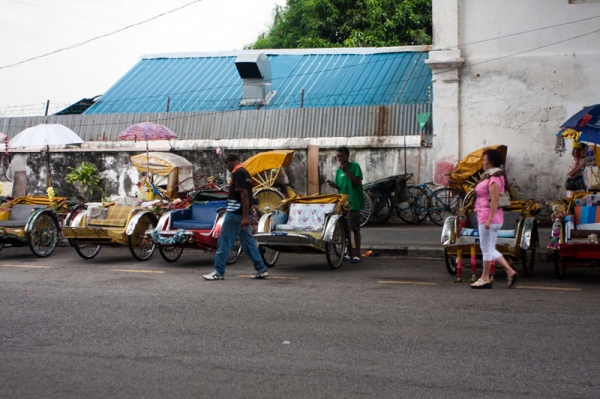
{"x": 147, "y": 131}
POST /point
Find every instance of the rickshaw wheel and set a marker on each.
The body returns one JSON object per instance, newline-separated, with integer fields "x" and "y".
{"x": 450, "y": 263}
{"x": 170, "y": 254}
{"x": 528, "y": 260}
{"x": 443, "y": 202}
{"x": 268, "y": 200}
{"x": 334, "y": 250}
{"x": 365, "y": 214}
{"x": 139, "y": 245}
{"x": 269, "y": 256}
{"x": 559, "y": 266}
{"x": 86, "y": 251}
{"x": 409, "y": 210}
{"x": 235, "y": 252}
{"x": 384, "y": 211}
{"x": 43, "y": 236}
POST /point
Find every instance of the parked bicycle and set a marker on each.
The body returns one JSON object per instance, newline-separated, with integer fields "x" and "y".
{"x": 430, "y": 200}
{"x": 382, "y": 198}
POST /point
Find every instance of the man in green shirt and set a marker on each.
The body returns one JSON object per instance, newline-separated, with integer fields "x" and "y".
{"x": 348, "y": 180}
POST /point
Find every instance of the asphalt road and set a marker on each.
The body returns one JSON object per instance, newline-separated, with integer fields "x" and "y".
{"x": 389, "y": 327}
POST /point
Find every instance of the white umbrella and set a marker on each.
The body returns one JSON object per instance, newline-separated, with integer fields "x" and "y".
{"x": 45, "y": 135}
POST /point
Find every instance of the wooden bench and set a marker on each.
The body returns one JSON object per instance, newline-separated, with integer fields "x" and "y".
{"x": 199, "y": 216}
{"x": 114, "y": 216}
{"x": 19, "y": 214}
{"x": 306, "y": 218}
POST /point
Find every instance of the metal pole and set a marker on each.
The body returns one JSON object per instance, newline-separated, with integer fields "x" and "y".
{"x": 302, "y": 99}
{"x": 405, "y": 155}
{"x": 47, "y": 106}
{"x": 168, "y": 103}
{"x": 49, "y": 178}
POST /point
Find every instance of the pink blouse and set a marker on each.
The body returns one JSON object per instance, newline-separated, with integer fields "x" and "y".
{"x": 481, "y": 200}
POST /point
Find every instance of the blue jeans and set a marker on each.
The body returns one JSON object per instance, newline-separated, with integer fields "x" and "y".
{"x": 230, "y": 230}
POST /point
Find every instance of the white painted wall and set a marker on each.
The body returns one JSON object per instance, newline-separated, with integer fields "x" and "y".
{"x": 526, "y": 70}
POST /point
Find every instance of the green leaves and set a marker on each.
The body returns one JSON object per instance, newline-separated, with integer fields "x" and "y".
{"x": 349, "y": 23}
{"x": 85, "y": 177}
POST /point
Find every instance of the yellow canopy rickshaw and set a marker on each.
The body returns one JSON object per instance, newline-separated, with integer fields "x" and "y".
{"x": 166, "y": 169}
{"x": 467, "y": 172}
{"x": 264, "y": 168}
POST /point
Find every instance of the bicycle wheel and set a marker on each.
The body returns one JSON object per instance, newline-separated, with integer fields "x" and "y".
{"x": 409, "y": 210}
{"x": 85, "y": 250}
{"x": 381, "y": 210}
{"x": 140, "y": 246}
{"x": 443, "y": 202}
{"x": 235, "y": 252}
{"x": 269, "y": 256}
{"x": 43, "y": 236}
{"x": 170, "y": 254}
{"x": 365, "y": 214}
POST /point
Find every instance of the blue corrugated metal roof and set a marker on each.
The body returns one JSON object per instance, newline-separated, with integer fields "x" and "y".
{"x": 211, "y": 82}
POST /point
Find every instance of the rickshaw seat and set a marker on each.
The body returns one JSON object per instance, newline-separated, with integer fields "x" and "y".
{"x": 200, "y": 216}
{"x": 19, "y": 215}
{"x": 587, "y": 221}
{"x": 306, "y": 218}
{"x": 507, "y": 231}
{"x": 116, "y": 216}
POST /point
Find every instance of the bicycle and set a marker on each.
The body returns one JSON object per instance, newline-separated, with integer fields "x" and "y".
{"x": 382, "y": 198}
{"x": 430, "y": 200}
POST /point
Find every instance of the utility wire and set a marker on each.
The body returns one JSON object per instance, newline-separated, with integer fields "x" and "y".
{"x": 518, "y": 33}
{"x": 329, "y": 70}
{"x": 101, "y": 36}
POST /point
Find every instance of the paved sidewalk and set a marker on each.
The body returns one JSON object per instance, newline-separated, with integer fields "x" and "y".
{"x": 422, "y": 240}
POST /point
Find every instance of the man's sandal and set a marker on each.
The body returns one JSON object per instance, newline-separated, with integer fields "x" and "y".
{"x": 480, "y": 284}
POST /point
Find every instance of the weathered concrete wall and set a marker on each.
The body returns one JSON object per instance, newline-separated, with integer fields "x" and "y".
{"x": 120, "y": 176}
{"x": 378, "y": 158}
{"x": 521, "y": 70}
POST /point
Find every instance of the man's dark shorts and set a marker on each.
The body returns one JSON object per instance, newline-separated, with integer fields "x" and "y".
{"x": 354, "y": 220}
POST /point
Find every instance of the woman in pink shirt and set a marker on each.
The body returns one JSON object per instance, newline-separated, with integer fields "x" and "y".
{"x": 490, "y": 218}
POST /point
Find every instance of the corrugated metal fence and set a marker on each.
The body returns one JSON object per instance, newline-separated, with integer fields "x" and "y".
{"x": 384, "y": 120}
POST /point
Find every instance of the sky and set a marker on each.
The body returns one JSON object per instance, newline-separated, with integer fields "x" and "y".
{"x": 33, "y": 28}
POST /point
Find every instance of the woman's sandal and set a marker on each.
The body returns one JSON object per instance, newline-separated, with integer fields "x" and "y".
{"x": 480, "y": 284}
{"x": 512, "y": 280}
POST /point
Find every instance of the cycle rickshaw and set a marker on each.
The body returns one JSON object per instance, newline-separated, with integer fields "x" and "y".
{"x": 518, "y": 239}
{"x": 32, "y": 221}
{"x": 196, "y": 227}
{"x": 306, "y": 224}
{"x": 167, "y": 178}
{"x": 266, "y": 169}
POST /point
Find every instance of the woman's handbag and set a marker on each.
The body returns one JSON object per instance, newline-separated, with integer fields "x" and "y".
{"x": 503, "y": 198}
{"x": 575, "y": 184}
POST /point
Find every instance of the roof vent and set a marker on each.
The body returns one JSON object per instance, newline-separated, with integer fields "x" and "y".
{"x": 255, "y": 70}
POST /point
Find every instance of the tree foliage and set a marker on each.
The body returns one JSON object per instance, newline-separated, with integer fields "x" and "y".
{"x": 348, "y": 23}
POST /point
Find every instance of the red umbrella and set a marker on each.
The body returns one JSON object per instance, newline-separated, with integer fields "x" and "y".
{"x": 147, "y": 131}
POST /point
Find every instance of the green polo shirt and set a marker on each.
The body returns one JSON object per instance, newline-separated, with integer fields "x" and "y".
{"x": 345, "y": 186}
